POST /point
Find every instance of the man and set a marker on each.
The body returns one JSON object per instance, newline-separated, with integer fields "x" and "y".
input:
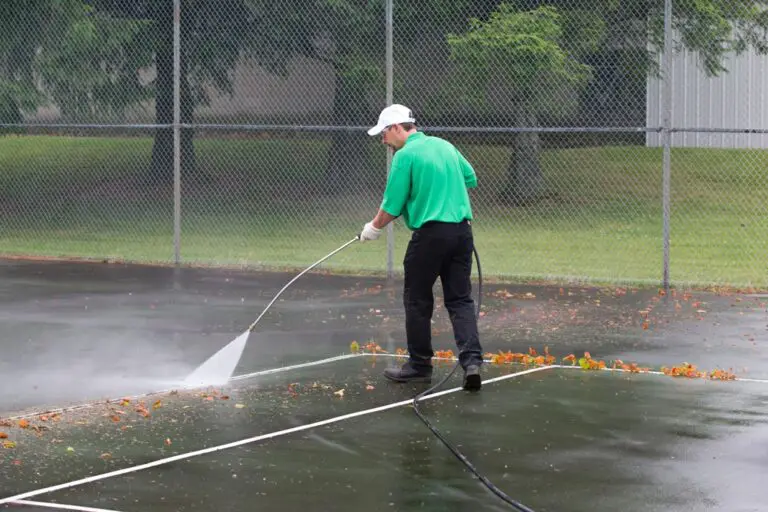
{"x": 427, "y": 186}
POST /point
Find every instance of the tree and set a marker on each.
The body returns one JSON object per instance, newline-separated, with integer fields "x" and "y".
{"x": 92, "y": 72}
{"x": 349, "y": 36}
{"x": 31, "y": 32}
{"x": 523, "y": 39}
{"x": 516, "y": 58}
{"x": 87, "y": 57}
{"x": 213, "y": 37}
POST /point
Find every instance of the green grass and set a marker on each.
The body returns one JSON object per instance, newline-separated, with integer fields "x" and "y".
{"x": 259, "y": 206}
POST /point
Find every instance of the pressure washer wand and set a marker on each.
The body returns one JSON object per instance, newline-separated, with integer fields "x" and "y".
{"x": 253, "y": 325}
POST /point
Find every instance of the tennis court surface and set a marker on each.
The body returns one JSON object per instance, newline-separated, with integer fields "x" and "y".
{"x": 94, "y": 416}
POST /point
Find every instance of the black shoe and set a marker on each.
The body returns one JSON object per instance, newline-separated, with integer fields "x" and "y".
{"x": 472, "y": 380}
{"x": 408, "y": 373}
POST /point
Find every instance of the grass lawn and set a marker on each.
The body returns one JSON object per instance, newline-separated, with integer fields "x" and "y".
{"x": 259, "y": 206}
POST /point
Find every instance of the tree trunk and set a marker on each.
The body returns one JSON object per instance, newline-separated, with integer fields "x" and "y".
{"x": 524, "y": 178}
{"x": 162, "y": 151}
{"x": 348, "y": 153}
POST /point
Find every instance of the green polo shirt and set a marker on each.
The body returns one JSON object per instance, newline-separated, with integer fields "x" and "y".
{"x": 428, "y": 181}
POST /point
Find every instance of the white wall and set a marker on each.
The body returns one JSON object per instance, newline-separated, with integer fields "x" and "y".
{"x": 736, "y": 99}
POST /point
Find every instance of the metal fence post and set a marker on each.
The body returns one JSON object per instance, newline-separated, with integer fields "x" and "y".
{"x": 666, "y": 136}
{"x": 177, "y": 131}
{"x": 390, "y": 99}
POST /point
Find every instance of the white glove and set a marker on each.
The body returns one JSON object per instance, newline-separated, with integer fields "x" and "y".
{"x": 370, "y": 232}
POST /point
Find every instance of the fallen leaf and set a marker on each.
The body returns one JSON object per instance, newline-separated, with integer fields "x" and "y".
{"x": 339, "y": 393}
{"x": 23, "y": 423}
{"x": 168, "y": 441}
{"x": 9, "y": 445}
{"x": 157, "y": 405}
{"x": 105, "y": 456}
{"x": 3, "y": 435}
{"x": 239, "y": 406}
{"x": 369, "y": 387}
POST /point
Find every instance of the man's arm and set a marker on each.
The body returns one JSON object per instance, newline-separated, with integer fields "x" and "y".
{"x": 372, "y": 230}
{"x": 382, "y": 219}
{"x": 395, "y": 196}
{"x": 470, "y": 178}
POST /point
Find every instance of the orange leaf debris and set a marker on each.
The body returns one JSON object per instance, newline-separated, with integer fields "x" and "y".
{"x": 374, "y": 348}
{"x": 722, "y": 375}
{"x": 685, "y": 370}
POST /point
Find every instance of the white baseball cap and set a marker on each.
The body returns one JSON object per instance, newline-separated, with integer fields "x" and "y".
{"x": 393, "y": 114}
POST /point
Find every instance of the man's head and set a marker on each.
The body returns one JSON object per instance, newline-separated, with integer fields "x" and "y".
{"x": 396, "y": 123}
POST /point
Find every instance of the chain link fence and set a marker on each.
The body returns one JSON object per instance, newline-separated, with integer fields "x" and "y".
{"x": 233, "y": 134}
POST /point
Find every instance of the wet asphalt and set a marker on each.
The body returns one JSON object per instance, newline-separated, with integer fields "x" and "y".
{"x": 555, "y": 440}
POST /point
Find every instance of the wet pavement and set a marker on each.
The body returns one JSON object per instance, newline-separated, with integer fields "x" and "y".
{"x": 557, "y": 439}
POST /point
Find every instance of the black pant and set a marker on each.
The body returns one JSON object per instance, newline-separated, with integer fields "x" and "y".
{"x": 445, "y": 250}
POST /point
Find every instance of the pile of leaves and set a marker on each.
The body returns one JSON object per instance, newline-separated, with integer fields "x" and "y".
{"x": 587, "y": 362}
{"x": 532, "y": 358}
{"x": 371, "y": 347}
{"x": 690, "y": 371}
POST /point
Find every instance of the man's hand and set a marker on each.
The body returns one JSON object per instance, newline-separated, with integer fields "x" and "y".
{"x": 370, "y": 232}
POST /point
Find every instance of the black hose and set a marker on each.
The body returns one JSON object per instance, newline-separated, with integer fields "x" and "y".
{"x": 495, "y": 490}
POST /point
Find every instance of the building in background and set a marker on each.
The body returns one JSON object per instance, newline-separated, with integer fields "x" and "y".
{"x": 737, "y": 99}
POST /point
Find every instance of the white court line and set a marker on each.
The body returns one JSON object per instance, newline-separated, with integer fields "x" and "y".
{"x": 205, "y": 451}
{"x": 285, "y": 369}
{"x": 737, "y": 379}
{"x": 762, "y": 381}
{"x": 294, "y": 367}
{"x": 95, "y": 403}
{"x": 577, "y": 367}
{"x": 60, "y": 506}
